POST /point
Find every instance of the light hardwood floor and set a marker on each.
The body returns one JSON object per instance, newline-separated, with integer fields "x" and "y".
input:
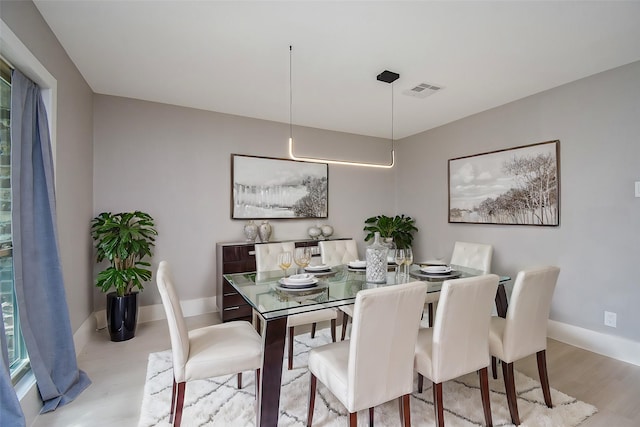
{"x": 118, "y": 370}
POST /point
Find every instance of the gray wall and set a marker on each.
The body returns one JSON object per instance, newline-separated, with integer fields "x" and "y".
{"x": 73, "y": 154}
{"x": 174, "y": 163}
{"x": 597, "y": 244}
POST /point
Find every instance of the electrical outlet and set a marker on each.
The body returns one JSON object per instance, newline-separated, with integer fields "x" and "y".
{"x": 610, "y": 319}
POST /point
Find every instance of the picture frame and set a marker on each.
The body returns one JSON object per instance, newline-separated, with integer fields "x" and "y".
{"x": 275, "y": 188}
{"x": 514, "y": 186}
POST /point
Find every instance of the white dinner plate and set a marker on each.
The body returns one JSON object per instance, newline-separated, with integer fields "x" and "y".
{"x": 322, "y": 267}
{"x": 436, "y": 269}
{"x": 358, "y": 264}
{"x": 290, "y": 285}
{"x": 315, "y": 288}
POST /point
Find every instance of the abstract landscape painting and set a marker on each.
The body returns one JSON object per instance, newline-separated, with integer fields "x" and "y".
{"x": 519, "y": 186}
{"x": 268, "y": 188}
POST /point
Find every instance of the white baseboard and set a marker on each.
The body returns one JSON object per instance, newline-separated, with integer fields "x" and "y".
{"x": 612, "y": 346}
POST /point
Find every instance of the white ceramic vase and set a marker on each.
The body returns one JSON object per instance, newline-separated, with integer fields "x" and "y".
{"x": 265, "y": 231}
{"x": 251, "y": 231}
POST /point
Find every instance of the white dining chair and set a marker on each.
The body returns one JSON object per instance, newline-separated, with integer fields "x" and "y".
{"x": 458, "y": 342}
{"x": 340, "y": 252}
{"x": 524, "y": 330}
{"x": 376, "y": 364}
{"x": 472, "y": 255}
{"x": 267, "y": 260}
{"x": 207, "y": 352}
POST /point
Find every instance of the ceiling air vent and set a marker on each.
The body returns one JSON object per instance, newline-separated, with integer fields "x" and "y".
{"x": 422, "y": 90}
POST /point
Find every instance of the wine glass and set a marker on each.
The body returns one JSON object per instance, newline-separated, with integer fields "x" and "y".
{"x": 302, "y": 257}
{"x": 399, "y": 259}
{"x": 284, "y": 261}
{"x": 408, "y": 259}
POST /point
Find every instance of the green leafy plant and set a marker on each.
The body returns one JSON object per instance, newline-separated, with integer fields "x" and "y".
{"x": 400, "y": 228}
{"x": 124, "y": 239}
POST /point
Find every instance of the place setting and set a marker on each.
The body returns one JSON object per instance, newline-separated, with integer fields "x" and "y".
{"x": 436, "y": 272}
{"x": 319, "y": 270}
{"x": 357, "y": 265}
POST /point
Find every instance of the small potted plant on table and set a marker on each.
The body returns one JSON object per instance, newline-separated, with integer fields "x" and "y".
{"x": 398, "y": 229}
{"x": 124, "y": 239}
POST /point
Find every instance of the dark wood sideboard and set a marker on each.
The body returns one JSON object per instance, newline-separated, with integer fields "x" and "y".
{"x": 238, "y": 258}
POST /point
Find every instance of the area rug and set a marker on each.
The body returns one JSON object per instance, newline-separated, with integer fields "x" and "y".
{"x": 217, "y": 401}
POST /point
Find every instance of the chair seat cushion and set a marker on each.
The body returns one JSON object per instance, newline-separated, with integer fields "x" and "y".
{"x": 312, "y": 317}
{"x": 496, "y": 332}
{"x": 221, "y": 350}
{"x": 348, "y": 309}
{"x": 329, "y": 364}
{"x": 432, "y": 297}
{"x": 423, "y": 363}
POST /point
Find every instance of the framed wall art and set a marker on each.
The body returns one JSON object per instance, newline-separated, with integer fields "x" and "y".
{"x": 270, "y": 188}
{"x": 517, "y": 186}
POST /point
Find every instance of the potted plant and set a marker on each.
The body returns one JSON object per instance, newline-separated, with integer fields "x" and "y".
{"x": 124, "y": 239}
{"x": 399, "y": 229}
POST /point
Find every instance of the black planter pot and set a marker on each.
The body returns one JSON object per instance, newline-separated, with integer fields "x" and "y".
{"x": 122, "y": 314}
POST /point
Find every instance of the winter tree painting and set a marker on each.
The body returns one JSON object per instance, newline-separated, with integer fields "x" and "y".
{"x": 266, "y": 188}
{"x": 515, "y": 186}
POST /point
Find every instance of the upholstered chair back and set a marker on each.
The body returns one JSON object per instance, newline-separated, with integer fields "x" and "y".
{"x": 525, "y": 327}
{"x": 267, "y": 254}
{"x": 178, "y": 331}
{"x": 473, "y": 255}
{"x": 382, "y": 347}
{"x": 461, "y": 327}
{"x": 337, "y": 252}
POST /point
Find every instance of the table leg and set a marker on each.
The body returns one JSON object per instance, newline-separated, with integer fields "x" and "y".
{"x": 269, "y": 398}
{"x": 501, "y": 301}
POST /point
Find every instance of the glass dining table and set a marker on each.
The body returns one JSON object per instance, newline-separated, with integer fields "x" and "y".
{"x": 336, "y": 287}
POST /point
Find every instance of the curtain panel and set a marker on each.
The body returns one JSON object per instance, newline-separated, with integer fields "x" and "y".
{"x": 42, "y": 304}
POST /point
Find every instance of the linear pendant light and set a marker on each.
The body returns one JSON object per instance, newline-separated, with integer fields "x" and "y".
{"x": 385, "y": 76}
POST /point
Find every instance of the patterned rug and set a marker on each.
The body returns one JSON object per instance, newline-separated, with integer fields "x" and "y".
{"x": 217, "y": 401}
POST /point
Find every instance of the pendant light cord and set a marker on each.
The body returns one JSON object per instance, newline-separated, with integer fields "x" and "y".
{"x": 290, "y": 94}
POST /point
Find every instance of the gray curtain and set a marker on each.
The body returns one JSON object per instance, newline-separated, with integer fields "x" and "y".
{"x": 42, "y": 304}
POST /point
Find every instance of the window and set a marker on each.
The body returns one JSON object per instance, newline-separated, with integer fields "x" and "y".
{"x": 18, "y": 358}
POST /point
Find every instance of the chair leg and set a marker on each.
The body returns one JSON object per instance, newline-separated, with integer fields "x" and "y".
{"x": 420, "y": 383}
{"x": 290, "y": 361}
{"x": 484, "y": 391}
{"x": 333, "y": 330}
{"x": 345, "y": 319}
{"x": 257, "y": 383}
{"x": 438, "y": 406}
{"x": 494, "y": 367}
{"x": 406, "y": 410}
{"x": 510, "y": 386}
{"x": 430, "y": 309}
{"x": 313, "y": 330}
{"x": 371, "y": 417}
{"x": 179, "y": 403}
{"x": 174, "y": 390}
{"x": 353, "y": 419}
{"x": 312, "y": 398}
{"x": 239, "y": 380}
{"x": 544, "y": 376}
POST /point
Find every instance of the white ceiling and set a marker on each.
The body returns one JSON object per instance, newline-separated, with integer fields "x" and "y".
{"x": 233, "y": 57}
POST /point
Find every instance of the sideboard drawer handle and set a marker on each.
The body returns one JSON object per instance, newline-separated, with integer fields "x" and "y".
{"x": 252, "y": 252}
{"x": 230, "y": 294}
{"x": 237, "y": 307}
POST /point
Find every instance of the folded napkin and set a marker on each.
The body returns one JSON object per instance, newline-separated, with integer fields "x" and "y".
{"x": 301, "y": 278}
